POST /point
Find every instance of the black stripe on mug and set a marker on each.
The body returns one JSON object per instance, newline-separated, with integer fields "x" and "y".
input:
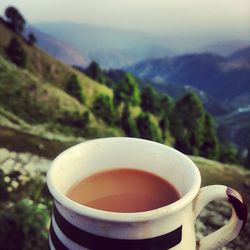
{"x": 239, "y": 204}
{"x": 95, "y": 242}
{"x": 54, "y": 239}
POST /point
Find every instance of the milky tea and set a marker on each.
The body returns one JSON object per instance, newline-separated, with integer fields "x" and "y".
{"x": 123, "y": 190}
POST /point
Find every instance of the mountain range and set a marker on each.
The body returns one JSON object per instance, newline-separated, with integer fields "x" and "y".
{"x": 227, "y": 79}
{"x": 59, "y": 49}
{"x": 221, "y": 81}
{"x": 110, "y": 47}
{"x": 116, "y": 48}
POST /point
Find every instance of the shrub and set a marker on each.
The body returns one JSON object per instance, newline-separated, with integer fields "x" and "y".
{"x": 75, "y": 88}
{"x": 128, "y": 124}
{"x": 31, "y": 39}
{"x": 103, "y": 107}
{"x": 150, "y": 100}
{"x": 187, "y": 123}
{"x": 147, "y": 128}
{"x": 24, "y": 209}
{"x": 127, "y": 91}
{"x": 24, "y": 225}
{"x": 228, "y": 153}
{"x": 14, "y": 19}
{"x": 16, "y": 53}
{"x": 94, "y": 71}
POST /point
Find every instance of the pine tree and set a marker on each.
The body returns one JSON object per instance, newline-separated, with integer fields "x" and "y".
{"x": 15, "y": 19}
{"x": 16, "y": 53}
{"x": 31, "y": 39}
{"x": 75, "y": 88}
{"x": 128, "y": 124}
{"x": 167, "y": 105}
{"x": 210, "y": 144}
{"x": 228, "y": 153}
{"x": 187, "y": 122}
{"x": 95, "y": 72}
{"x": 103, "y": 107}
{"x": 127, "y": 91}
{"x": 147, "y": 128}
{"x": 150, "y": 101}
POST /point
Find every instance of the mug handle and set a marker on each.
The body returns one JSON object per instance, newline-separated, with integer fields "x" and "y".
{"x": 233, "y": 227}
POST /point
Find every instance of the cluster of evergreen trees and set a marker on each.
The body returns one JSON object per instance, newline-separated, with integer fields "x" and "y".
{"x": 16, "y": 22}
{"x": 183, "y": 123}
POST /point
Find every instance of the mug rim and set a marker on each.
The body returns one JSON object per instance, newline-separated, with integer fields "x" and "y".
{"x": 66, "y": 202}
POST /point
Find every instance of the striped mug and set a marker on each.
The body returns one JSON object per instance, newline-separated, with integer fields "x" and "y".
{"x": 75, "y": 226}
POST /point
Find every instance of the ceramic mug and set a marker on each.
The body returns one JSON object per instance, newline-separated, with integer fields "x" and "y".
{"x": 74, "y": 226}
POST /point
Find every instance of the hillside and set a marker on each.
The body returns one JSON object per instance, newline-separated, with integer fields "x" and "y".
{"x": 226, "y": 48}
{"x": 212, "y": 105}
{"x": 241, "y": 55}
{"x": 215, "y": 75}
{"x": 110, "y": 47}
{"x": 26, "y": 95}
{"x": 49, "y": 69}
{"x": 44, "y": 81}
{"x": 58, "y": 49}
{"x": 35, "y": 97}
{"x": 222, "y": 83}
{"x": 235, "y": 126}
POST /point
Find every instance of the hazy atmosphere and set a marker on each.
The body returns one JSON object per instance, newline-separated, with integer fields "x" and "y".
{"x": 160, "y": 16}
{"x": 176, "y": 72}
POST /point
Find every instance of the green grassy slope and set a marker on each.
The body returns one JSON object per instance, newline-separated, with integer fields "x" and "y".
{"x": 36, "y": 101}
{"x": 30, "y": 98}
{"x": 213, "y": 172}
{"x": 36, "y": 94}
{"x": 48, "y": 68}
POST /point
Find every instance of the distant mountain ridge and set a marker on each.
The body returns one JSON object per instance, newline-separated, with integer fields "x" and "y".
{"x": 115, "y": 48}
{"x": 241, "y": 55}
{"x": 57, "y": 48}
{"x": 110, "y": 47}
{"x": 226, "y": 48}
{"x": 218, "y": 76}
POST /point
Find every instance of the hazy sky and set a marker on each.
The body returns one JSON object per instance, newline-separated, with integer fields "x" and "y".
{"x": 157, "y": 16}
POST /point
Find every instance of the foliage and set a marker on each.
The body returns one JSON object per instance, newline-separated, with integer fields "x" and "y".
{"x": 150, "y": 100}
{"x": 15, "y": 19}
{"x": 228, "y": 153}
{"x": 24, "y": 209}
{"x": 31, "y": 39}
{"x": 147, "y": 128}
{"x": 4, "y": 194}
{"x": 95, "y": 72}
{"x": 75, "y": 88}
{"x": 167, "y": 105}
{"x": 247, "y": 161}
{"x": 24, "y": 225}
{"x": 187, "y": 124}
{"x": 128, "y": 123}
{"x": 210, "y": 144}
{"x": 103, "y": 107}
{"x": 33, "y": 99}
{"x": 16, "y": 53}
{"x": 127, "y": 91}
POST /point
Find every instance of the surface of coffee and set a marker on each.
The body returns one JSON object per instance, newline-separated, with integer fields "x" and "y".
{"x": 123, "y": 190}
